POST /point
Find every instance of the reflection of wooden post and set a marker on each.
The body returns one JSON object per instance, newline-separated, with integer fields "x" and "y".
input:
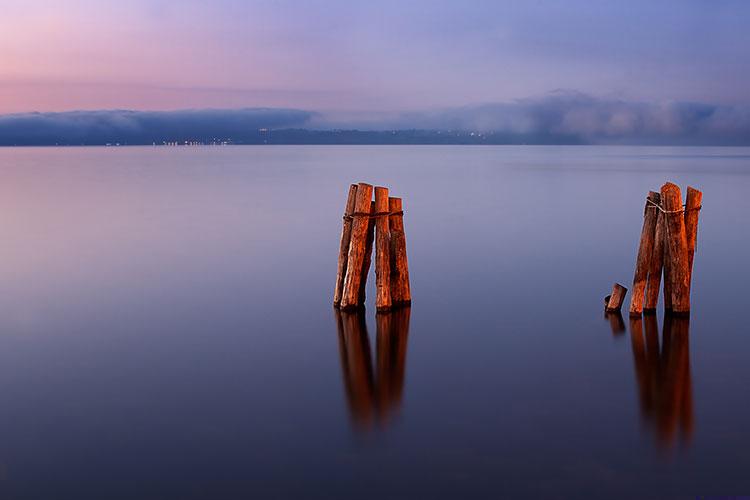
{"x": 639, "y": 360}
{"x": 693, "y": 201}
{"x": 373, "y": 396}
{"x": 382, "y": 251}
{"x": 392, "y": 336}
{"x": 678, "y": 252}
{"x": 645, "y": 251}
{"x": 346, "y": 233}
{"x": 655, "y": 265}
{"x": 616, "y": 322}
{"x": 400, "y": 288}
{"x": 357, "y": 245}
{"x": 615, "y": 300}
{"x": 368, "y": 256}
{"x": 356, "y": 366}
{"x": 675, "y": 407}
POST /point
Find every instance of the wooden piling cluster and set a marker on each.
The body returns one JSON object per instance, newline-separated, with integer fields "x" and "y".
{"x": 667, "y": 247}
{"x": 367, "y": 222}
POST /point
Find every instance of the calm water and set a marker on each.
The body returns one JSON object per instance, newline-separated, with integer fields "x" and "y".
{"x": 167, "y": 329}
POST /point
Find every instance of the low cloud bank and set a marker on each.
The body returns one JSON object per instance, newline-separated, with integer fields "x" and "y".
{"x": 142, "y": 127}
{"x": 557, "y": 118}
{"x": 577, "y": 118}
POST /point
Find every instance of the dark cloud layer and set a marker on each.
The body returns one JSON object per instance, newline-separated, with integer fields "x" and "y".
{"x": 142, "y": 127}
{"x": 558, "y": 118}
{"x": 572, "y": 117}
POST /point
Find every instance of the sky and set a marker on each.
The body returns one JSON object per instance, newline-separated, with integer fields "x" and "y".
{"x": 359, "y": 60}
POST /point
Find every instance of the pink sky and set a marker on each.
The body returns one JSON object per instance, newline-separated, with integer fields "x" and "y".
{"x": 361, "y": 56}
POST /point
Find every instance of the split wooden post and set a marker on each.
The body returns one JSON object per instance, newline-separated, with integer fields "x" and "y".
{"x": 614, "y": 301}
{"x": 645, "y": 251}
{"x": 678, "y": 252}
{"x": 382, "y": 250}
{"x": 357, "y": 245}
{"x": 667, "y": 268}
{"x": 346, "y": 233}
{"x": 655, "y": 265}
{"x": 400, "y": 288}
{"x": 693, "y": 201}
{"x": 369, "y": 240}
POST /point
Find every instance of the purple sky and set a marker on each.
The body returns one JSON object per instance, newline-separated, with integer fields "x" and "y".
{"x": 360, "y": 58}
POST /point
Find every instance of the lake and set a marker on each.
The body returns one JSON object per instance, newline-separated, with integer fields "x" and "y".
{"x": 167, "y": 328}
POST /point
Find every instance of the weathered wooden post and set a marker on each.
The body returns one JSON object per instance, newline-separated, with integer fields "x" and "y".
{"x": 678, "y": 252}
{"x": 357, "y": 247}
{"x": 656, "y": 263}
{"x": 693, "y": 201}
{"x": 346, "y": 233}
{"x": 400, "y": 288}
{"x": 645, "y": 251}
{"x": 667, "y": 270}
{"x": 369, "y": 241}
{"x": 382, "y": 250}
{"x": 614, "y": 301}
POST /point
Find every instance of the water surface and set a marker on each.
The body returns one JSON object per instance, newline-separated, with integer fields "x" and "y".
{"x": 167, "y": 329}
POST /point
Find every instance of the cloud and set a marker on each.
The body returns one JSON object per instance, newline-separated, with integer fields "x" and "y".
{"x": 568, "y": 116}
{"x": 561, "y": 117}
{"x": 142, "y": 127}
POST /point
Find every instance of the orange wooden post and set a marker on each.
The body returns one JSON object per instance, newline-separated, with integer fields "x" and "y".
{"x": 645, "y": 252}
{"x": 382, "y": 251}
{"x": 615, "y": 300}
{"x": 346, "y": 233}
{"x": 693, "y": 201}
{"x": 357, "y": 247}
{"x": 655, "y": 265}
{"x": 678, "y": 248}
{"x": 369, "y": 241}
{"x": 400, "y": 287}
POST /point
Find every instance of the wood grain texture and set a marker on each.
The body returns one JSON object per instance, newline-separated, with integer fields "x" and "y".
{"x": 617, "y": 298}
{"x": 369, "y": 242}
{"x": 400, "y": 287}
{"x": 350, "y": 297}
{"x": 645, "y": 252}
{"x": 679, "y": 276}
{"x": 693, "y": 201}
{"x": 667, "y": 269}
{"x": 346, "y": 233}
{"x": 655, "y": 265}
{"x": 382, "y": 252}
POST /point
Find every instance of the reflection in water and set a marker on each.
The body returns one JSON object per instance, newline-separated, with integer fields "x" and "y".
{"x": 663, "y": 376}
{"x": 616, "y": 322}
{"x": 373, "y": 397}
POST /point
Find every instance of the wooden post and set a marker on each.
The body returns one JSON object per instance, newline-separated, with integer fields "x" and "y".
{"x": 678, "y": 251}
{"x": 693, "y": 201}
{"x": 614, "y": 301}
{"x": 400, "y": 288}
{"x": 346, "y": 233}
{"x": 667, "y": 269}
{"x": 655, "y": 265}
{"x": 369, "y": 240}
{"x": 382, "y": 251}
{"x": 351, "y": 293}
{"x": 645, "y": 251}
